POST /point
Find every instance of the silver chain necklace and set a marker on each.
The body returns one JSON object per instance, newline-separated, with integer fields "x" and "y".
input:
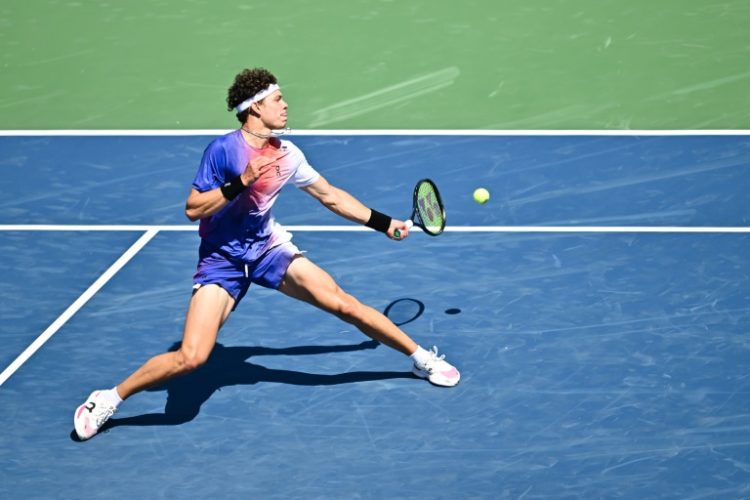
{"x": 256, "y": 134}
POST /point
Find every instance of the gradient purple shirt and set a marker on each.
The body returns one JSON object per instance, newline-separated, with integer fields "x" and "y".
{"x": 245, "y": 228}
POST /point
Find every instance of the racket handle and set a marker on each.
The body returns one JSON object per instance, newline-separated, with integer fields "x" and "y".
{"x": 397, "y": 233}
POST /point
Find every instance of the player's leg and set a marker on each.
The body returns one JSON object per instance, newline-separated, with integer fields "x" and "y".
{"x": 209, "y": 307}
{"x": 307, "y": 282}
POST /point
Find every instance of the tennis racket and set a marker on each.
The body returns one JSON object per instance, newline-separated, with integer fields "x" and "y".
{"x": 428, "y": 211}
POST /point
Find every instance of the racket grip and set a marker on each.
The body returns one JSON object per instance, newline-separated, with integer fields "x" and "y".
{"x": 397, "y": 233}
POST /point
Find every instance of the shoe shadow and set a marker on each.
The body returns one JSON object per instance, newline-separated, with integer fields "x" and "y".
{"x": 228, "y": 366}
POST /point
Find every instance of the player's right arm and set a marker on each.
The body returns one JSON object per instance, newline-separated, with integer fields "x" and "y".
{"x": 200, "y": 205}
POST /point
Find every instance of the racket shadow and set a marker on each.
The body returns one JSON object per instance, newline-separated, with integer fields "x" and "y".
{"x": 228, "y": 366}
{"x": 404, "y": 311}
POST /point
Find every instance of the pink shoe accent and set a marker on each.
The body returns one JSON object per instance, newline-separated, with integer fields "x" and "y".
{"x": 80, "y": 409}
{"x": 452, "y": 373}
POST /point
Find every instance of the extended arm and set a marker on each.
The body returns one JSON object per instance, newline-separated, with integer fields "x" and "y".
{"x": 345, "y": 205}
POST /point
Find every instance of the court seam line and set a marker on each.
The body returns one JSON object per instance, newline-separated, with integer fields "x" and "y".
{"x": 376, "y": 132}
{"x": 77, "y": 305}
{"x": 353, "y": 228}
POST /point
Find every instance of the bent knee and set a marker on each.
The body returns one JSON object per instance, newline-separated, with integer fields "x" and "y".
{"x": 190, "y": 360}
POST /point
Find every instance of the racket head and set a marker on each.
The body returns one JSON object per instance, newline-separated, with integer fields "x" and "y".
{"x": 429, "y": 211}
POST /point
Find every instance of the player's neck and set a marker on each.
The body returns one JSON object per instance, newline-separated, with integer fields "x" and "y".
{"x": 256, "y": 137}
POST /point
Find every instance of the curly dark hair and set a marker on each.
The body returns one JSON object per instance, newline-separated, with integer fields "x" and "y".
{"x": 246, "y": 84}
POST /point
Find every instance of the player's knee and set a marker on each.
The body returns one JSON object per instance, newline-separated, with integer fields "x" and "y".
{"x": 348, "y": 308}
{"x": 190, "y": 360}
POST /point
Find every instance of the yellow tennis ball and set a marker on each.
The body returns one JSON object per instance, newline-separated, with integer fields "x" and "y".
{"x": 481, "y": 196}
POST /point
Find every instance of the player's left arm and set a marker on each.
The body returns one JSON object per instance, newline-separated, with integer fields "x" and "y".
{"x": 347, "y": 206}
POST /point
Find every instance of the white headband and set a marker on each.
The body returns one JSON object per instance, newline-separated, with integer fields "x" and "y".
{"x": 257, "y": 97}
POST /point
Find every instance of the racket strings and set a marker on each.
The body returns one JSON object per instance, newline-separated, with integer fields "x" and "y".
{"x": 429, "y": 208}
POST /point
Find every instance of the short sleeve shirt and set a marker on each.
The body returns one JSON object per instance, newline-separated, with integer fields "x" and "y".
{"x": 245, "y": 228}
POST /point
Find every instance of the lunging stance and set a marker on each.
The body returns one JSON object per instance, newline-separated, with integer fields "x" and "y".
{"x": 237, "y": 183}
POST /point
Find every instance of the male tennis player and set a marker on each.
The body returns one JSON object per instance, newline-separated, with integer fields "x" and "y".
{"x": 237, "y": 183}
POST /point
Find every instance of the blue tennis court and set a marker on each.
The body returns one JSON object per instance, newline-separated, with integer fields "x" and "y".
{"x": 597, "y": 306}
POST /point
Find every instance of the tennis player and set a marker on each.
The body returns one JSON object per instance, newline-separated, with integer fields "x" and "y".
{"x": 238, "y": 181}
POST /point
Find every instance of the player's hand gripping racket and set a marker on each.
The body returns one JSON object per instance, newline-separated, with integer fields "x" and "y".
{"x": 428, "y": 211}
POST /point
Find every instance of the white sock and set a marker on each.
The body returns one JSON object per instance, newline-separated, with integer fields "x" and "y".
{"x": 112, "y": 397}
{"x": 420, "y": 356}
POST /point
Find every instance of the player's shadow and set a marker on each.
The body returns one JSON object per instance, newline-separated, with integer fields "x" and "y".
{"x": 228, "y": 366}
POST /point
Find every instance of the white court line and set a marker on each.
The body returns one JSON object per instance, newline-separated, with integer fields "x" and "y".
{"x": 597, "y": 229}
{"x": 355, "y": 228}
{"x": 377, "y": 132}
{"x": 78, "y": 304}
{"x": 153, "y": 230}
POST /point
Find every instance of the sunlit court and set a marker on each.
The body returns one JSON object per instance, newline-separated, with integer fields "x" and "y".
{"x": 590, "y": 282}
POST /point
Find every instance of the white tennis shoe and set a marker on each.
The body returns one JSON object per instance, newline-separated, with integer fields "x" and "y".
{"x": 91, "y": 415}
{"x": 437, "y": 370}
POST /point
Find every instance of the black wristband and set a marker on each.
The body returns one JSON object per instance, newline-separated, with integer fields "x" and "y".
{"x": 379, "y": 222}
{"x": 233, "y": 188}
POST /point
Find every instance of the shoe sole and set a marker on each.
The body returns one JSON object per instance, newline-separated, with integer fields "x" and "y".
{"x": 425, "y": 375}
{"x": 80, "y": 432}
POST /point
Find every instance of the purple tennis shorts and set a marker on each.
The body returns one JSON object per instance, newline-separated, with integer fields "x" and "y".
{"x": 235, "y": 276}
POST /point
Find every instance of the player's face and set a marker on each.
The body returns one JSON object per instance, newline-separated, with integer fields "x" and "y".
{"x": 273, "y": 111}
